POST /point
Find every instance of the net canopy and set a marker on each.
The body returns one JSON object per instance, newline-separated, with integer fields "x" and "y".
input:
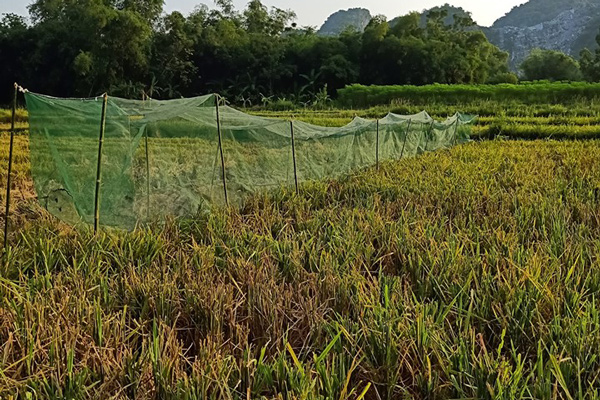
{"x": 176, "y": 158}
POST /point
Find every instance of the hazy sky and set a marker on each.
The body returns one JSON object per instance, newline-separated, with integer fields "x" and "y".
{"x": 314, "y": 12}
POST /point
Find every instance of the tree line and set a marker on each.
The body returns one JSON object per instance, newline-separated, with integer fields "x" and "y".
{"x": 80, "y": 48}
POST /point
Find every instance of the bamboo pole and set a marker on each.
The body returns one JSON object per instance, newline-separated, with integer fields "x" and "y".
{"x": 455, "y": 132}
{"x": 221, "y": 149}
{"x": 406, "y": 137}
{"x": 377, "y": 147}
{"x": 147, "y": 179}
{"x": 427, "y": 136}
{"x": 99, "y": 166}
{"x": 10, "y": 164}
{"x": 294, "y": 156}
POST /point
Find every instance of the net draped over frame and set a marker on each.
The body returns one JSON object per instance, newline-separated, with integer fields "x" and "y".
{"x": 162, "y": 158}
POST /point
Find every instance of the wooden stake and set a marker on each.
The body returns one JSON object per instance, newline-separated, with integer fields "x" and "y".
{"x": 294, "y": 156}
{"x": 10, "y": 163}
{"x": 99, "y": 167}
{"x": 221, "y": 149}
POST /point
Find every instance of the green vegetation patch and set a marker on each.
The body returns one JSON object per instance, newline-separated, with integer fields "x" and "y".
{"x": 360, "y": 96}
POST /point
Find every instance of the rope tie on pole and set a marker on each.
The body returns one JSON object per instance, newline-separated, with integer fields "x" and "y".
{"x": 21, "y": 88}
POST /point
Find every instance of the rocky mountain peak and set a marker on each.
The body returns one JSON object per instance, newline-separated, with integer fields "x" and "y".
{"x": 564, "y": 25}
{"x": 338, "y": 22}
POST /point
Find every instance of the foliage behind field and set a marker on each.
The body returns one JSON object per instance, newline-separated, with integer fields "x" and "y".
{"x": 469, "y": 273}
{"x": 76, "y": 49}
{"x": 360, "y": 96}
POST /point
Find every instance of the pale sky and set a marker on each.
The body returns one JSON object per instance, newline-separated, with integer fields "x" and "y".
{"x": 314, "y": 12}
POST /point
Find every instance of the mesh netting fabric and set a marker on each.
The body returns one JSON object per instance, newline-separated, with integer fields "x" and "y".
{"x": 163, "y": 158}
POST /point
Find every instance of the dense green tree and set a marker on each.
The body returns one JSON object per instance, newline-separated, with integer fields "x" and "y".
{"x": 257, "y": 19}
{"x": 410, "y": 53}
{"x": 126, "y": 47}
{"x": 171, "y": 66}
{"x": 590, "y": 63}
{"x": 550, "y": 65}
{"x": 89, "y": 46}
{"x": 16, "y": 46}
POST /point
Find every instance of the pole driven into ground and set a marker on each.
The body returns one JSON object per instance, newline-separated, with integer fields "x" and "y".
{"x": 294, "y": 157}
{"x": 406, "y": 137}
{"x": 455, "y": 132}
{"x": 99, "y": 167}
{"x": 10, "y": 164}
{"x": 147, "y": 179}
{"x": 221, "y": 149}
{"x": 427, "y": 135}
{"x": 377, "y": 147}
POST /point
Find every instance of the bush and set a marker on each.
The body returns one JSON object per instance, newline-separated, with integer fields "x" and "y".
{"x": 504, "y": 77}
{"x": 281, "y": 105}
{"x": 552, "y": 65}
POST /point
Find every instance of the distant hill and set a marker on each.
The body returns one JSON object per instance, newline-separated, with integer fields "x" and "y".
{"x": 358, "y": 19}
{"x": 354, "y": 18}
{"x": 565, "y": 25}
{"x": 449, "y": 20}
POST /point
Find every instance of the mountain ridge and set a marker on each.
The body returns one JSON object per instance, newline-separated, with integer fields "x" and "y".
{"x": 565, "y": 25}
{"x": 339, "y": 21}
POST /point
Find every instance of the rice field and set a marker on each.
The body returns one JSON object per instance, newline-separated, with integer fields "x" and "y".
{"x": 471, "y": 272}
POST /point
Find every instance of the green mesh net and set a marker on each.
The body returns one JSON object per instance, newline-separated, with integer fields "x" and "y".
{"x": 164, "y": 158}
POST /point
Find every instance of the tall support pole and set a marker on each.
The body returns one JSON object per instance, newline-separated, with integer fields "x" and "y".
{"x": 221, "y": 149}
{"x": 455, "y": 133}
{"x": 406, "y": 137}
{"x": 99, "y": 166}
{"x": 294, "y": 157}
{"x": 427, "y": 136}
{"x": 377, "y": 147}
{"x": 10, "y": 163}
{"x": 147, "y": 179}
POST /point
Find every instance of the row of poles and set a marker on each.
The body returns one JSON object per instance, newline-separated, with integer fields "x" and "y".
{"x": 409, "y": 125}
{"x": 221, "y": 152}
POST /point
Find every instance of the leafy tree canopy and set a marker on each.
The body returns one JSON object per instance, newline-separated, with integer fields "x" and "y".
{"x": 550, "y": 65}
{"x": 126, "y": 47}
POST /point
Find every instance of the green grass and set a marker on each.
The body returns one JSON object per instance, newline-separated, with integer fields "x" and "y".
{"x": 467, "y": 273}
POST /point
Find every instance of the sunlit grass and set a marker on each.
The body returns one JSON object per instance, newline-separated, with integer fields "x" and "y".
{"x": 466, "y": 273}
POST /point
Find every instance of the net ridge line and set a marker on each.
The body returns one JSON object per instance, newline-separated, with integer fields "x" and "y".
{"x": 157, "y": 157}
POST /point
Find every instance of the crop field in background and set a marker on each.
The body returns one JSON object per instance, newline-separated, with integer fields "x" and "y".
{"x": 472, "y": 272}
{"x": 579, "y": 120}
